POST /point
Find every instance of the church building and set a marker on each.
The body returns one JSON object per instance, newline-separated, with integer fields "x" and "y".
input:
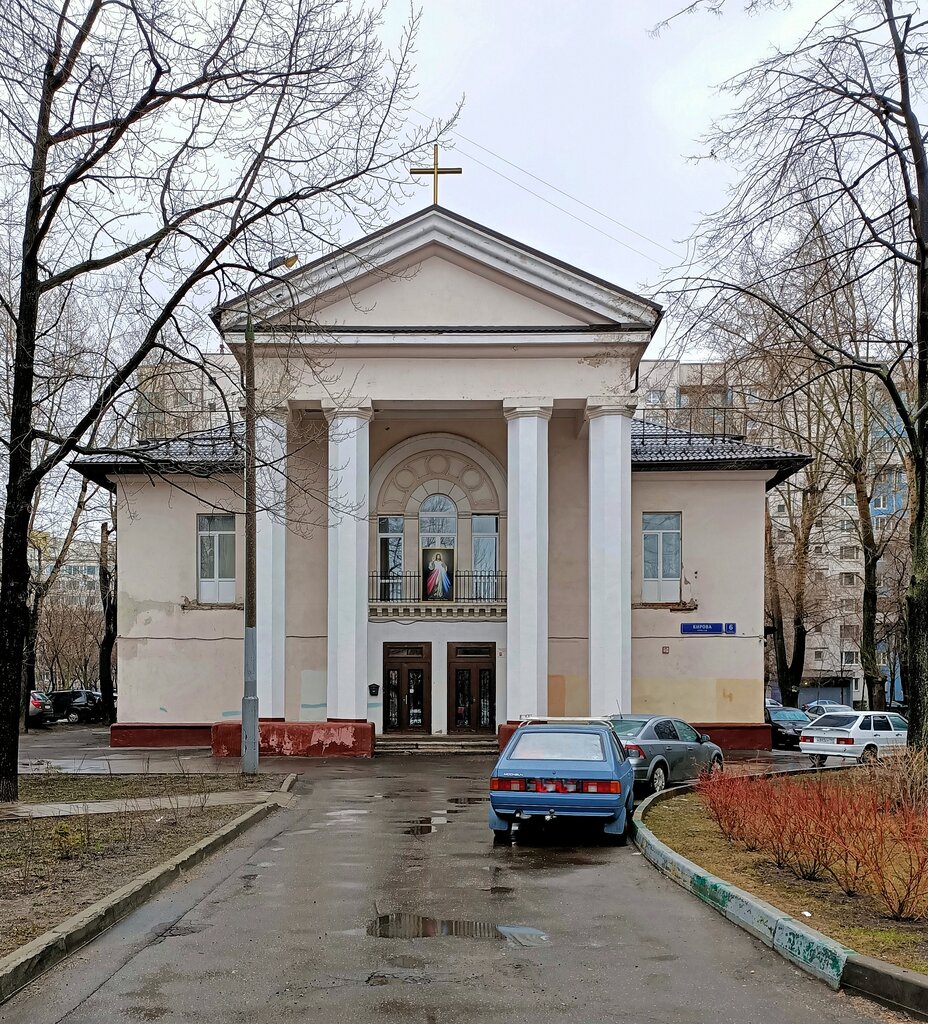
{"x": 461, "y": 520}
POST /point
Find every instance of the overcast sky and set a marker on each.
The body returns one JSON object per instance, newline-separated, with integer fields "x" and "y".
{"x": 582, "y": 95}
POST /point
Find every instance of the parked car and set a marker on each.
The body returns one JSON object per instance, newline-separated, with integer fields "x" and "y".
{"x": 862, "y": 736}
{"x": 77, "y": 705}
{"x": 822, "y": 704}
{"x": 786, "y": 725}
{"x": 817, "y": 710}
{"x": 769, "y": 702}
{"x": 664, "y": 750}
{"x": 40, "y": 709}
{"x": 568, "y": 770}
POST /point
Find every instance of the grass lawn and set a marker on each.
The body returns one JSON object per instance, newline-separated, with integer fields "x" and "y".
{"x": 57, "y": 787}
{"x": 51, "y": 868}
{"x": 684, "y": 825}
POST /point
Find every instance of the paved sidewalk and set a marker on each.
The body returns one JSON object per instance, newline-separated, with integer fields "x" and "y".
{"x": 13, "y": 812}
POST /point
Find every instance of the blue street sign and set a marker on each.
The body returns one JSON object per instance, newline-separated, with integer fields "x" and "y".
{"x": 708, "y": 628}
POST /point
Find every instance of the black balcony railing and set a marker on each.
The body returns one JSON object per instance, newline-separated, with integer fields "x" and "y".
{"x": 467, "y": 588}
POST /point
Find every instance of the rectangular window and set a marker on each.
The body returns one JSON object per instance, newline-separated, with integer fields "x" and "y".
{"x": 390, "y": 557}
{"x": 880, "y": 501}
{"x": 781, "y": 507}
{"x": 818, "y": 655}
{"x": 848, "y": 500}
{"x": 846, "y": 525}
{"x": 662, "y": 557}
{"x": 656, "y": 397}
{"x": 216, "y": 554}
{"x": 848, "y": 579}
{"x": 850, "y": 657}
{"x": 850, "y": 551}
{"x": 847, "y": 604}
{"x": 850, "y": 631}
{"x": 486, "y": 557}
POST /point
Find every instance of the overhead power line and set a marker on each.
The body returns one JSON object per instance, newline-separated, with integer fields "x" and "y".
{"x": 563, "y": 192}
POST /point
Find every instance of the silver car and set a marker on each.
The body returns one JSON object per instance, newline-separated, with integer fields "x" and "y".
{"x": 664, "y": 750}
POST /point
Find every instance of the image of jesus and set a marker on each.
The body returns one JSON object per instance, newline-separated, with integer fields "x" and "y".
{"x": 438, "y": 583}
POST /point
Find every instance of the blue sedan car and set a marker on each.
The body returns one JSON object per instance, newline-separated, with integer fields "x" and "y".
{"x": 552, "y": 771}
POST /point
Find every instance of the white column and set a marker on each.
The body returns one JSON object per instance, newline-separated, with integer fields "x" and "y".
{"x": 271, "y": 559}
{"x": 610, "y": 430}
{"x": 527, "y": 557}
{"x": 349, "y": 474}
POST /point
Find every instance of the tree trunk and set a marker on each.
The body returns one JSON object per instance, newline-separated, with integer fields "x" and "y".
{"x": 108, "y": 640}
{"x": 873, "y": 678}
{"x": 775, "y": 614}
{"x": 917, "y": 627}
{"x": 14, "y": 577}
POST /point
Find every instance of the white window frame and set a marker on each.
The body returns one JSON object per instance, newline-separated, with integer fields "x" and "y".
{"x": 848, "y": 500}
{"x": 656, "y": 396}
{"x": 215, "y": 589}
{"x": 662, "y": 589}
{"x": 849, "y": 658}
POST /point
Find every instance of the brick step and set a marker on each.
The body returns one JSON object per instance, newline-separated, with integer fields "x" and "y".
{"x": 436, "y": 745}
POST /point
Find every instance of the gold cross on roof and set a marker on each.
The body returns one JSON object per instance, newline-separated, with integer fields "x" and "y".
{"x": 435, "y": 170}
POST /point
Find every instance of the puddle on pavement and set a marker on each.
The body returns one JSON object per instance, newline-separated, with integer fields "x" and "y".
{"x": 413, "y": 926}
{"x": 425, "y": 826}
{"x": 465, "y": 801}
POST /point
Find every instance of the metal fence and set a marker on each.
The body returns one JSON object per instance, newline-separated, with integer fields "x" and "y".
{"x": 409, "y": 588}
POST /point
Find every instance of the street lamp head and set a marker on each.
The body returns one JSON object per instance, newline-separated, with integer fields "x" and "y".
{"x": 283, "y": 261}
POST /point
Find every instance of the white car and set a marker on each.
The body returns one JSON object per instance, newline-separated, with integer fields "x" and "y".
{"x": 860, "y": 735}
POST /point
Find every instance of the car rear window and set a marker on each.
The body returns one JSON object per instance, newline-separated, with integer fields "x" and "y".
{"x": 788, "y": 715}
{"x": 835, "y": 721}
{"x": 627, "y": 726}
{"x": 558, "y": 746}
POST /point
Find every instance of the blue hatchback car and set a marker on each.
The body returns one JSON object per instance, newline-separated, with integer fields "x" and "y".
{"x": 552, "y": 771}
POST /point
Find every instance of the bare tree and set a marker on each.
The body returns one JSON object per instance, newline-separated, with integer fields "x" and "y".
{"x": 151, "y": 153}
{"x": 830, "y": 145}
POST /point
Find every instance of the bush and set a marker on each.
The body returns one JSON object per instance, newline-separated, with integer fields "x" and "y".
{"x": 868, "y": 828}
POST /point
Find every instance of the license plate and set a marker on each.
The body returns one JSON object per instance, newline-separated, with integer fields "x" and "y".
{"x": 552, "y": 786}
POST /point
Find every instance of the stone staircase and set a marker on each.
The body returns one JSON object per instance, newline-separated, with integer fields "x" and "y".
{"x": 483, "y": 745}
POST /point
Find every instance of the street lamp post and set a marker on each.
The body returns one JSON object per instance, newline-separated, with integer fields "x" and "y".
{"x": 250, "y": 721}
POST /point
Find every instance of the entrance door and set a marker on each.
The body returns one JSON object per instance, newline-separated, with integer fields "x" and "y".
{"x": 407, "y": 688}
{"x": 471, "y": 687}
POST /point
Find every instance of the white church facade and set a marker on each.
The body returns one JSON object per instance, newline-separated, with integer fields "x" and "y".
{"x": 461, "y": 522}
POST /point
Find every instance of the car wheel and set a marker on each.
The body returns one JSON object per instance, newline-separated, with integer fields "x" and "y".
{"x": 659, "y": 779}
{"x": 870, "y": 755}
{"x": 716, "y": 765}
{"x": 818, "y": 760}
{"x": 73, "y": 717}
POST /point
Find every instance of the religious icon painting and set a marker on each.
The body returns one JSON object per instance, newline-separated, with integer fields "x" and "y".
{"x": 438, "y": 574}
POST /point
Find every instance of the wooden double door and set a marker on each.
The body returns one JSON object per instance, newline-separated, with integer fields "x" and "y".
{"x": 471, "y": 688}
{"x": 407, "y": 688}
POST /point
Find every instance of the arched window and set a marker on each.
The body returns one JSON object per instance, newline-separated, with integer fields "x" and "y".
{"x": 438, "y": 537}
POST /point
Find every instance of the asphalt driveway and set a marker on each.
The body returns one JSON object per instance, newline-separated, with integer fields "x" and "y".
{"x": 380, "y": 897}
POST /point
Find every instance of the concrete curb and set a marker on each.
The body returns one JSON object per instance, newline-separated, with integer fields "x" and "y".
{"x": 26, "y": 963}
{"x": 816, "y": 954}
{"x": 288, "y": 782}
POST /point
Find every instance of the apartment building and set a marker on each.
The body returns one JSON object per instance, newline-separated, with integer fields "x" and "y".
{"x": 706, "y": 397}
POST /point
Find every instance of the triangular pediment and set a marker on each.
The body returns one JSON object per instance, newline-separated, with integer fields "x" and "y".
{"x": 436, "y": 268}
